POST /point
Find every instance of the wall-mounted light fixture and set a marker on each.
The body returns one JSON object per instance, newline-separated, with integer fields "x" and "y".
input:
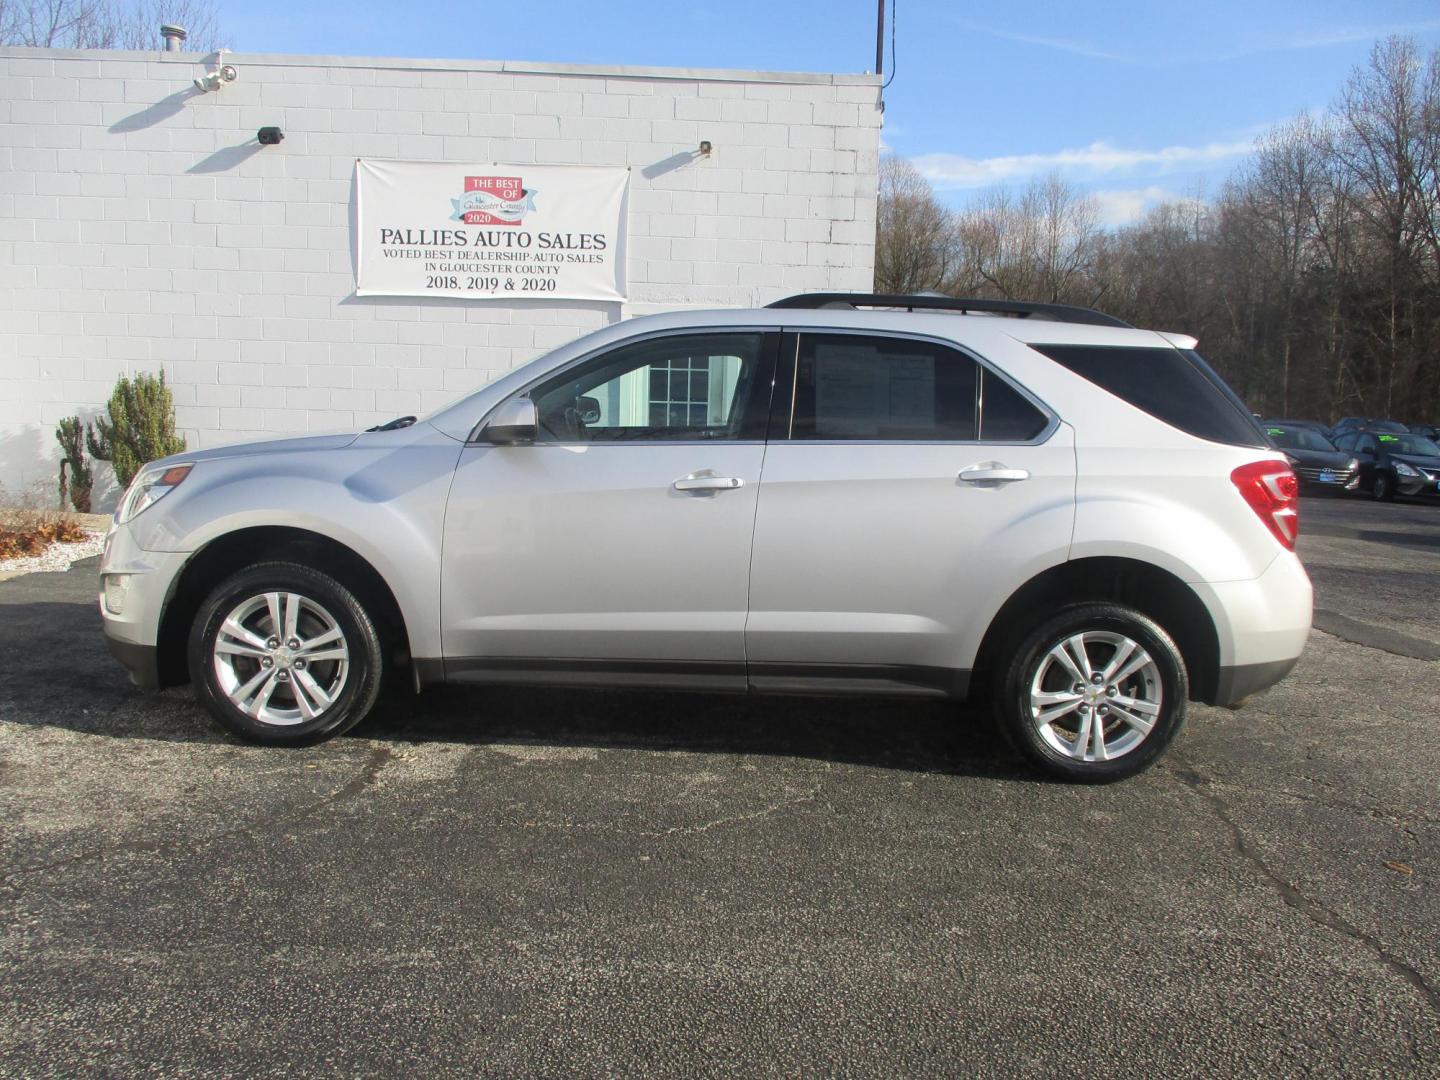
{"x": 269, "y": 136}
{"x": 214, "y": 80}
{"x": 705, "y": 148}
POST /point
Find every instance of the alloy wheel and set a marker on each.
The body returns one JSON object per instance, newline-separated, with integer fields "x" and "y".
{"x": 1095, "y": 696}
{"x": 281, "y": 658}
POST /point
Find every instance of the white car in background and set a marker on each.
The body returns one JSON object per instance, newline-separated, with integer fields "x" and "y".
{"x": 836, "y": 494}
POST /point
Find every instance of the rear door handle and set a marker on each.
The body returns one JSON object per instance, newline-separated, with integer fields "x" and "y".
{"x": 708, "y": 483}
{"x": 992, "y": 472}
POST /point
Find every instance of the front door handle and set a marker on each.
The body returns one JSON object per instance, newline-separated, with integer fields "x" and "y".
{"x": 992, "y": 472}
{"x": 708, "y": 483}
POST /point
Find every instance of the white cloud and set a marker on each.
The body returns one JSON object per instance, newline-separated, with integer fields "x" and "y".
{"x": 1070, "y": 45}
{"x": 1124, "y": 206}
{"x": 1343, "y": 35}
{"x": 1304, "y": 39}
{"x": 954, "y": 171}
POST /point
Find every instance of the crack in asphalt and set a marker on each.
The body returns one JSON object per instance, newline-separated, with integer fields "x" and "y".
{"x": 1313, "y": 910}
{"x": 1369, "y": 636}
{"x": 367, "y": 775}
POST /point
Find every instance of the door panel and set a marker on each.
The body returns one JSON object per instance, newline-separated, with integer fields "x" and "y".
{"x": 623, "y": 532}
{"x": 876, "y": 551}
{"x": 870, "y": 554}
{"x": 591, "y": 552}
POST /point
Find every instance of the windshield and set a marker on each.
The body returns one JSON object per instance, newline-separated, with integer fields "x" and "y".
{"x": 1408, "y": 444}
{"x": 1288, "y": 438}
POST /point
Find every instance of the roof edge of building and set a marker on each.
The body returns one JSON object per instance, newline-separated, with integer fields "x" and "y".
{"x": 515, "y": 67}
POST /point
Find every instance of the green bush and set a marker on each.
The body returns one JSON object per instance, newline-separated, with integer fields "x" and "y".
{"x": 140, "y": 428}
{"x": 76, "y": 476}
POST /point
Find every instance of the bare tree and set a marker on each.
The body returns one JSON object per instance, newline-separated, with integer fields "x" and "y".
{"x": 106, "y": 24}
{"x": 1312, "y": 280}
{"x": 1042, "y": 245}
{"x": 915, "y": 241}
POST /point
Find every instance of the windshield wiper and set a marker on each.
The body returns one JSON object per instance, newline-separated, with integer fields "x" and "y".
{"x": 394, "y": 425}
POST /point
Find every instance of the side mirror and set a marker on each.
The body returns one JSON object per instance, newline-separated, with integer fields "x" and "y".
{"x": 588, "y": 409}
{"x": 513, "y": 423}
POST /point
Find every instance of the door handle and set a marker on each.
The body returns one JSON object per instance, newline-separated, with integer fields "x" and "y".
{"x": 992, "y": 472}
{"x": 708, "y": 483}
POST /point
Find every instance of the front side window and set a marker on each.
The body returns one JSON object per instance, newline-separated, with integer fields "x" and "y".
{"x": 695, "y": 386}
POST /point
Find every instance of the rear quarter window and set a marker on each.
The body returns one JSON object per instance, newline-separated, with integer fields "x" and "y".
{"x": 1173, "y": 385}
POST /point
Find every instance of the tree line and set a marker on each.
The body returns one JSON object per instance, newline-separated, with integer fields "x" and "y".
{"x": 1312, "y": 280}
{"x": 105, "y": 24}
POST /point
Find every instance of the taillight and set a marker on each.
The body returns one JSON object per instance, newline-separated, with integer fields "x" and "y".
{"x": 1273, "y": 493}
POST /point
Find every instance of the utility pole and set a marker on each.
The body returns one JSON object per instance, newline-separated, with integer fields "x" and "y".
{"x": 880, "y": 37}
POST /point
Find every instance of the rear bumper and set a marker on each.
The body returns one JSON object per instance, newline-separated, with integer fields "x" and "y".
{"x": 1235, "y": 684}
{"x": 1261, "y": 626}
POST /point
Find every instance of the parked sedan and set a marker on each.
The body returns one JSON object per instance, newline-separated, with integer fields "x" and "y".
{"x": 1361, "y": 423}
{"x": 1394, "y": 464}
{"x": 1318, "y": 464}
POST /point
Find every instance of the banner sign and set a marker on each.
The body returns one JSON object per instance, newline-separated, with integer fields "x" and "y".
{"x": 490, "y": 232}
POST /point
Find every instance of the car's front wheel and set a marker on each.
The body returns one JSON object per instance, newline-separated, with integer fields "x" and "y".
{"x": 1093, "y": 694}
{"x": 283, "y": 653}
{"x": 1381, "y": 488}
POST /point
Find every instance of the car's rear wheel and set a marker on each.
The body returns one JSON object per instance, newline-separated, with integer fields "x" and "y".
{"x": 1381, "y": 487}
{"x": 1093, "y": 694}
{"x": 283, "y": 653}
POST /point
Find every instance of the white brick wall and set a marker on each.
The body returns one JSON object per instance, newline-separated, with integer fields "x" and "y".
{"x": 141, "y": 226}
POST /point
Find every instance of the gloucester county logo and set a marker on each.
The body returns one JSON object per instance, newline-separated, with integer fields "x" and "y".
{"x": 493, "y": 200}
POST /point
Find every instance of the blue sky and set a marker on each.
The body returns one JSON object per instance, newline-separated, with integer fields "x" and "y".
{"x": 1133, "y": 101}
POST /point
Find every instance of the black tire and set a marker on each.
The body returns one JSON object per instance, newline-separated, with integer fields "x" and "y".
{"x": 1164, "y": 687}
{"x": 359, "y": 685}
{"x": 1381, "y": 488}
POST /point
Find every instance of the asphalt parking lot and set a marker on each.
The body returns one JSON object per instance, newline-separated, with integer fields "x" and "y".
{"x": 526, "y": 883}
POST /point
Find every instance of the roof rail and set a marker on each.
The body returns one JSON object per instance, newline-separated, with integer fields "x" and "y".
{"x": 1021, "y": 309}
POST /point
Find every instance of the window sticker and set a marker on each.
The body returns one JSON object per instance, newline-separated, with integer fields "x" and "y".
{"x": 861, "y": 392}
{"x": 846, "y": 385}
{"x": 1274, "y": 431}
{"x": 1389, "y": 438}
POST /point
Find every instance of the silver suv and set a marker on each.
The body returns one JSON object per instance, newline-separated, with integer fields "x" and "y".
{"x": 837, "y": 494}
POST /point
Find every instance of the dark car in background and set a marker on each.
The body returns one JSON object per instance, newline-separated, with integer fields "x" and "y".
{"x": 1286, "y": 422}
{"x": 1315, "y": 459}
{"x": 1361, "y": 423}
{"x": 1430, "y": 431}
{"x": 1394, "y": 463}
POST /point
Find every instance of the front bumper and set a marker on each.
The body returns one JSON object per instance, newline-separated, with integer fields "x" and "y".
{"x": 142, "y": 661}
{"x": 1424, "y": 485}
{"x": 134, "y": 586}
{"x": 1313, "y": 479}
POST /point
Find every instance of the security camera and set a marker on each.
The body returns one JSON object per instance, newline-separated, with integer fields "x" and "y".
{"x": 213, "y": 80}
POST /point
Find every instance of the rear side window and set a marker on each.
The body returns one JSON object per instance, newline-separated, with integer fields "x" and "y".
{"x": 1173, "y": 385}
{"x": 897, "y": 389}
{"x": 1005, "y": 416}
{"x": 863, "y": 387}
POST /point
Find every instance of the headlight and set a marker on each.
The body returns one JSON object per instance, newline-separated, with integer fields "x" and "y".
{"x": 149, "y": 487}
{"x": 1401, "y": 469}
{"x": 1352, "y": 464}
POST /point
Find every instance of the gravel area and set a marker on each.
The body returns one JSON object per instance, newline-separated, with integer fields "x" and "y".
{"x": 55, "y": 558}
